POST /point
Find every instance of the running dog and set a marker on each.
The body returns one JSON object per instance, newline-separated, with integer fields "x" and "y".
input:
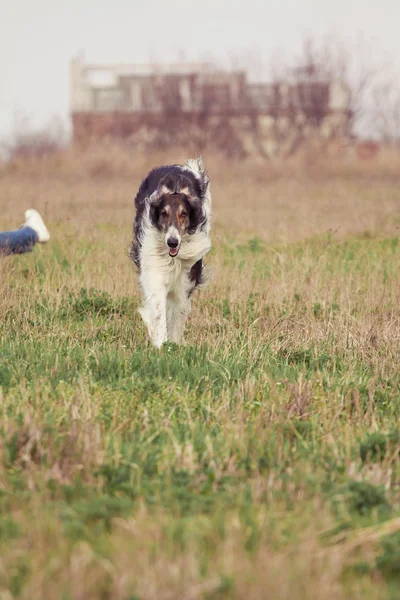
{"x": 171, "y": 237}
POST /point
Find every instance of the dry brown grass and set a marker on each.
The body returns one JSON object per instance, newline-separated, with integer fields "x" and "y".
{"x": 288, "y": 200}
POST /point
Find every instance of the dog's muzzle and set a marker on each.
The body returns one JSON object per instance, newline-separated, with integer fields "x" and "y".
{"x": 173, "y": 245}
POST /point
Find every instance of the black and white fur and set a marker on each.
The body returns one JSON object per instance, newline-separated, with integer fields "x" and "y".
{"x": 167, "y": 281}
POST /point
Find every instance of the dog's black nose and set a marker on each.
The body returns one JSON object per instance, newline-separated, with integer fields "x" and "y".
{"x": 172, "y": 242}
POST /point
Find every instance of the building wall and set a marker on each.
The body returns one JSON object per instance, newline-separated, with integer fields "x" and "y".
{"x": 126, "y": 100}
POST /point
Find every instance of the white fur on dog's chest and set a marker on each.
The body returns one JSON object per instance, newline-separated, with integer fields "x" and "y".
{"x": 166, "y": 272}
{"x": 154, "y": 253}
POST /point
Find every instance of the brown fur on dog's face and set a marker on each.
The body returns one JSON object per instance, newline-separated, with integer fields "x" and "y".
{"x": 174, "y": 212}
{"x": 172, "y": 217}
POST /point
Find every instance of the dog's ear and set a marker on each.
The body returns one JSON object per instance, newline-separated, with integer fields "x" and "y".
{"x": 155, "y": 199}
{"x": 196, "y": 165}
{"x": 154, "y": 202}
{"x": 196, "y": 204}
{"x": 197, "y": 214}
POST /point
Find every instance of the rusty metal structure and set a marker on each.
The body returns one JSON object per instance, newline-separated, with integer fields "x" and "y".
{"x": 141, "y": 102}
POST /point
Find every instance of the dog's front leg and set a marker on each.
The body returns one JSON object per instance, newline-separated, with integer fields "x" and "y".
{"x": 178, "y": 310}
{"x": 153, "y": 314}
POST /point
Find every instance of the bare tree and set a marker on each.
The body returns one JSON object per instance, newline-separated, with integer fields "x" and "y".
{"x": 29, "y": 141}
{"x": 315, "y": 69}
{"x": 384, "y": 112}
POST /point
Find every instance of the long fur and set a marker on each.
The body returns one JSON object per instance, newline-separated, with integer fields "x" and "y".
{"x": 168, "y": 282}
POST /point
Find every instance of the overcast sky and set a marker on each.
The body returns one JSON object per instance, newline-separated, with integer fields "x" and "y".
{"x": 38, "y": 37}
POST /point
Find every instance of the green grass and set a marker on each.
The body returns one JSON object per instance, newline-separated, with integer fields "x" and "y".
{"x": 264, "y": 455}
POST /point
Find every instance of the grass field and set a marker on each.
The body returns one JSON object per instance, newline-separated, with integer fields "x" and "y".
{"x": 260, "y": 461}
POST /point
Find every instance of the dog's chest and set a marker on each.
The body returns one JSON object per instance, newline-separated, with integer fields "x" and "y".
{"x": 171, "y": 272}
{"x": 194, "y": 248}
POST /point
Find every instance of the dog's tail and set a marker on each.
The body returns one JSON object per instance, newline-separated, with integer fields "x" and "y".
{"x": 196, "y": 165}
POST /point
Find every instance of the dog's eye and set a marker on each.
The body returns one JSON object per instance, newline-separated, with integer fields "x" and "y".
{"x": 164, "y": 213}
{"x": 183, "y": 214}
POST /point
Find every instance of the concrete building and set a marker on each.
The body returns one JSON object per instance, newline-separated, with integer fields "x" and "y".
{"x": 123, "y": 100}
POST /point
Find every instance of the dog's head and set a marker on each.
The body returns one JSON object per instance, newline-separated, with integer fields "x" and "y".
{"x": 176, "y": 209}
